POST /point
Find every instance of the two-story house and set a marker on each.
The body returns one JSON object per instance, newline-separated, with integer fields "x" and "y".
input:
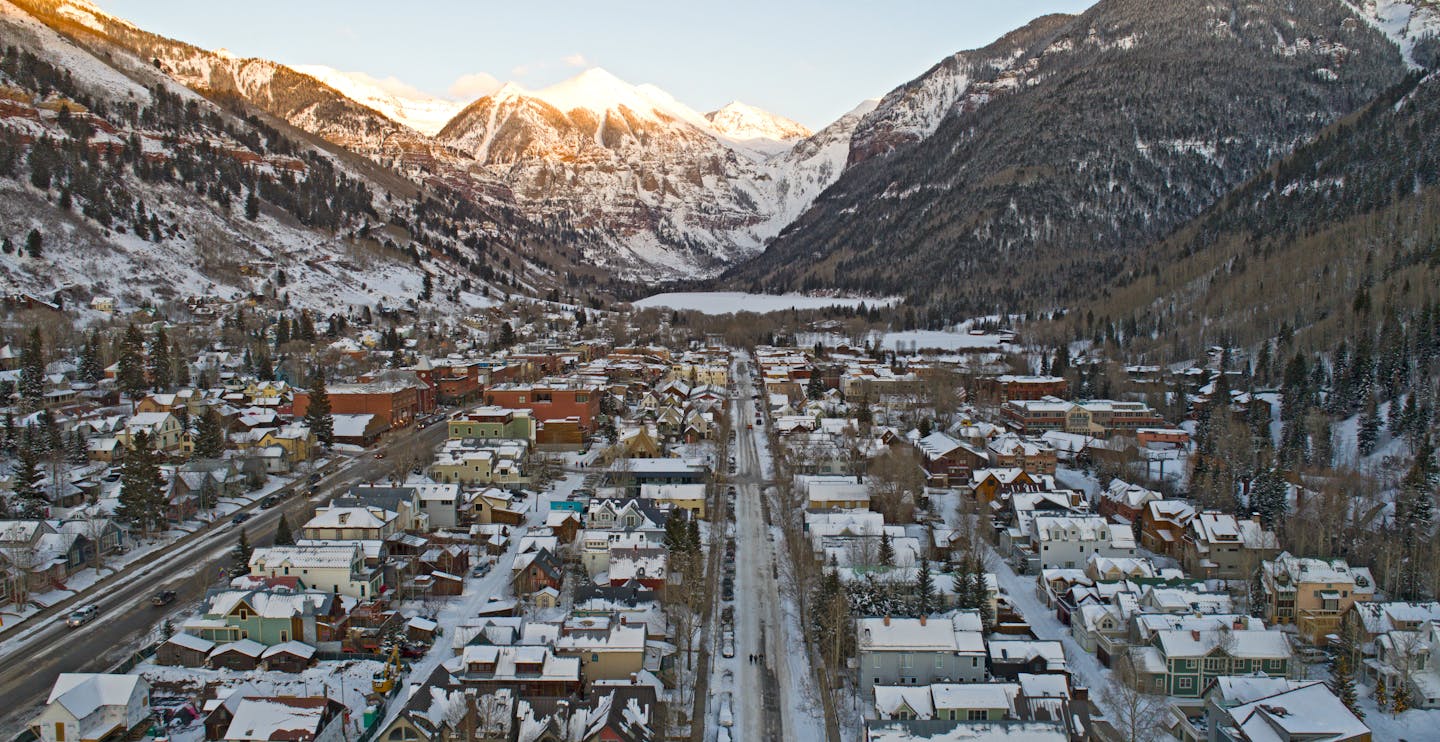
{"x": 1221, "y": 546}
{"x": 333, "y": 569}
{"x": 1184, "y": 662}
{"x": 917, "y": 651}
{"x": 1312, "y": 594}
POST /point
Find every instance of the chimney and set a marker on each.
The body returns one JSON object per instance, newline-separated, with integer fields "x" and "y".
{"x": 887, "y": 619}
{"x": 922, "y": 619}
{"x": 1195, "y": 634}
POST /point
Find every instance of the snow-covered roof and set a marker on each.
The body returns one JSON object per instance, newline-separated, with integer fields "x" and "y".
{"x": 264, "y": 719}
{"x": 83, "y": 693}
{"x": 916, "y": 635}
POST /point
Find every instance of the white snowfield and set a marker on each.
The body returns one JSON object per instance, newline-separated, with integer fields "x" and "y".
{"x": 730, "y": 302}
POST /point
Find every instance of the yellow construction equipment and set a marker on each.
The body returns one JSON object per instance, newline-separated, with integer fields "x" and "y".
{"x": 384, "y": 680}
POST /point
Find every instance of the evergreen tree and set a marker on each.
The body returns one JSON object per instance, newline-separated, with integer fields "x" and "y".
{"x": 34, "y": 243}
{"x": 130, "y": 374}
{"x": 1344, "y": 655}
{"x": 29, "y": 499}
{"x": 283, "y": 537}
{"x": 91, "y": 368}
{"x": 158, "y": 361}
{"x": 77, "y": 451}
{"x": 924, "y": 589}
{"x": 1368, "y": 433}
{"x": 1267, "y": 497}
{"x": 1382, "y": 696}
{"x": 317, "y": 415}
{"x": 240, "y": 557}
{"x": 507, "y": 335}
{"x": 815, "y": 389}
{"x": 252, "y": 206}
{"x": 142, "y": 501}
{"x": 181, "y": 371}
{"x": 32, "y": 370}
{"x": 264, "y": 369}
{"x": 209, "y": 436}
{"x": 887, "y": 551}
{"x": 1414, "y": 517}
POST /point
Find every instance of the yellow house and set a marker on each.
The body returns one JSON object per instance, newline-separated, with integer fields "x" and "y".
{"x": 844, "y": 494}
{"x": 1313, "y": 594}
{"x": 684, "y": 496}
{"x": 715, "y": 374}
{"x": 164, "y": 430}
{"x": 297, "y": 440}
{"x": 607, "y": 651}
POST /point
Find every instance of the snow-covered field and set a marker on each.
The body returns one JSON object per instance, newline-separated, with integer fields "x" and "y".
{"x": 730, "y": 302}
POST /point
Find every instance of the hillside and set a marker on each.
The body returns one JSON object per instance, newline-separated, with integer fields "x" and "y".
{"x": 1328, "y": 242}
{"x": 142, "y": 190}
{"x": 1065, "y": 148}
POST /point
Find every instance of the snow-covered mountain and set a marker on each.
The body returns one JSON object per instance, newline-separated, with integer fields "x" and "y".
{"x": 261, "y": 210}
{"x": 757, "y": 128}
{"x": 399, "y": 103}
{"x": 680, "y": 192}
{"x": 1408, "y": 22}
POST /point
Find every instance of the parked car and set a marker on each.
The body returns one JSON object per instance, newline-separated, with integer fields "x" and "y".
{"x": 240, "y": 518}
{"x": 271, "y": 501}
{"x": 82, "y": 616}
{"x": 314, "y": 478}
{"x": 163, "y": 598}
{"x": 727, "y": 643}
{"x": 481, "y": 569}
{"x": 727, "y": 716}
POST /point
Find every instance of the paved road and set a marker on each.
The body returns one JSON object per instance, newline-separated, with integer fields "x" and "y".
{"x": 127, "y": 621}
{"x": 758, "y": 714}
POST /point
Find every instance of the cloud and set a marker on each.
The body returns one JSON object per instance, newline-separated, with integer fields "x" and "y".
{"x": 575, "y": 60}
{"x": 473, "y": 85}
{"x": 390, "y": 84}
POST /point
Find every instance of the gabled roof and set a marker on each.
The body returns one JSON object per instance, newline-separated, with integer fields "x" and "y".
{"x": 84, "y": 693}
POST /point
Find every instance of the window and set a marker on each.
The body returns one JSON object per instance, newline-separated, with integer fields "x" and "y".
{"x": 875, "y": 663}
{"x": 284, "y": 636}
{"x": 1187, "y": 683}
{"x": 244, "y": 614}
{"x": 244, "y": 635}
{"x": 906, "y": 661}
{"x": 939, "y": 662}
{"x": 977, "y": 715}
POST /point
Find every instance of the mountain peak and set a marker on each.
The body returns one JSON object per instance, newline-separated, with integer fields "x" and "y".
{"x": 743, "y": 121}
{"x": 389, "y": 96}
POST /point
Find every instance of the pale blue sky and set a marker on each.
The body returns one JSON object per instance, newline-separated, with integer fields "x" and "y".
{"x": 811, "y": 60}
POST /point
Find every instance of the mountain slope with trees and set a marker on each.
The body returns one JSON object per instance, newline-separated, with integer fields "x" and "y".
{"x": 1100, "y": 134}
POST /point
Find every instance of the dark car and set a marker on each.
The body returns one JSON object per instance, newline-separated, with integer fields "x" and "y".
{"x": 270, "y": 501}
{"x": 163, "y": 598}
{"x": 240, "y": 518}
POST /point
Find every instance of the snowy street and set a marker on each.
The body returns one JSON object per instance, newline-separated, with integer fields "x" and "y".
{"x": 773, "y": 692}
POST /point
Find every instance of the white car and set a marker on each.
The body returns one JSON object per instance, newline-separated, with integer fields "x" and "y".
{"x": 727, "y": 643}
{"x": 82, "y": 616}
{"x": 727, "y": 717}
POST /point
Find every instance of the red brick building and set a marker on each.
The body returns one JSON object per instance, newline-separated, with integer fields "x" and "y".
{"x": 395, "y": 404}
{"x": 550, "y": 400}
{"x": 1008, "y": 387}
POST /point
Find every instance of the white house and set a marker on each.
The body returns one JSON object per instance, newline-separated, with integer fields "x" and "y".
{"x": 93, "y": 706}
{"x": 334, "y": 569}
{"x": 1070, "y": 540}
